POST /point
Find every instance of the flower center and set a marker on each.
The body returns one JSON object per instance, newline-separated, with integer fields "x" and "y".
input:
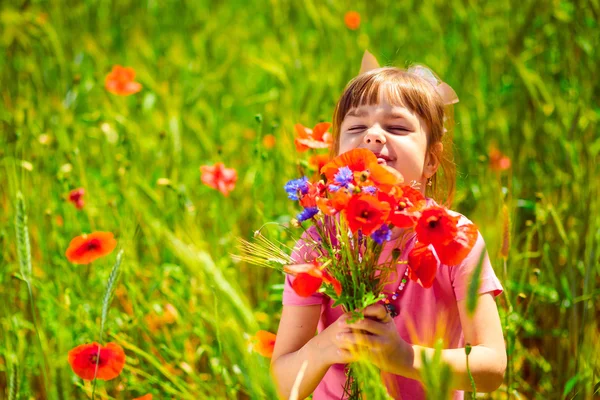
{"x": 433, "y": 223}
{"x": 93, "y": 244}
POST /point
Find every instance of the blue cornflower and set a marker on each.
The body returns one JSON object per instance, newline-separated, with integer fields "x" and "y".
{"x": 369, "y": 189}
{"x": 382, "y": 234}
{"x": 307, "y": 213}
{"x": 344, "y": 176}
{"x": 334, "y": 188}
{"x": 295, "y": 187}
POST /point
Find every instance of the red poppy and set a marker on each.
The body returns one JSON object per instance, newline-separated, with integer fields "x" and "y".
{"x": 318, "y": 161}
{"x": 384, "y": 177}
{"x": 452, "y": 243}
{"x": 499, "y": 161}
{"x": 83, "y": 360}
{"x": 325, "y": 206}
{"x": 406, "y": 203}
{"x": 88, "y": 247}
{"x": 76, "y": 197}
{"x": 218, "y": 177}
{"x": 366, "y": 213}
{"x": 315, "y": 192}
{"x": 309, "y": 277}
{"x": 436, "y": 226}
{"x": 422, "y": 265}
{"x": 120, "y": 81}
{"x": 356, "y": 159}
{"x": 454, "y": 252}
{"x": 264, "y": 343}
{"x": 352, "y": 20}
{"x": 144, "y": 397}
{"x": 316, "y": 138}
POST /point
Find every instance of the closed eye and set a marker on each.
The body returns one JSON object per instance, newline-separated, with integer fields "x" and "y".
{"x": 357, "y": 128}
{"x": 398, "y": 128}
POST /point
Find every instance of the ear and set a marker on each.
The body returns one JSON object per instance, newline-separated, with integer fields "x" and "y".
{"x": 433, "y": 159}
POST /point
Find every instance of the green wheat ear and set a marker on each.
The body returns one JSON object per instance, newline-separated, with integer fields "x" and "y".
{"x": 24, "y": 255}
{"x": 108, "y": 295}
{"x": 110, "y": 290}
{"x": 23, "y": 246}
{"x": 13, "y": 383}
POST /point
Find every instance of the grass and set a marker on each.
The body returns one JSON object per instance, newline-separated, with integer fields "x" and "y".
{"x": 216, "y": 78}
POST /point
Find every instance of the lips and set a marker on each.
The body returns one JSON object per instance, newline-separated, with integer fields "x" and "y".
{"x": 383, "y": 159}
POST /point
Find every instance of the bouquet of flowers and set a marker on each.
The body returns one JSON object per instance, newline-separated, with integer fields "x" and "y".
{"x": 348, "y": 215}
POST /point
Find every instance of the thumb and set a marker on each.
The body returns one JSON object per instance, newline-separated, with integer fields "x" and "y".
{"x": 376, "y": 311}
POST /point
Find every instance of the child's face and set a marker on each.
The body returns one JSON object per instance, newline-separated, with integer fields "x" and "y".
{"x": 395, "y": 134}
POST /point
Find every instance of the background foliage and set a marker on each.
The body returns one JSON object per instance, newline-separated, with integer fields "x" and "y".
{"x": 527, "y": 76}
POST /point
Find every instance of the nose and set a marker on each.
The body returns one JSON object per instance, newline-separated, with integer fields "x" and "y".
{"x": 374, "y": 136}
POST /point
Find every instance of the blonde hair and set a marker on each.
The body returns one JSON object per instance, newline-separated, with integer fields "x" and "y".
{"x": 404, "y": 88}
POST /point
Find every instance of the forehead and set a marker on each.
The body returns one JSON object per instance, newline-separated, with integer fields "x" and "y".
{"x": 384, "y": 109}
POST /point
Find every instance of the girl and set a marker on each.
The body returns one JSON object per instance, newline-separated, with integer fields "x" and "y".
{"x": 400, "y": 116}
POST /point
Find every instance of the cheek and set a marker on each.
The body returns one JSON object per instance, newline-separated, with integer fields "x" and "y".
{"x": 349, "y": 142}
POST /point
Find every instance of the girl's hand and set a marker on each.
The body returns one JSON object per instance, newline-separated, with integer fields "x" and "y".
{"x": 376, "y": 338}
{"x": 329, "y": 345}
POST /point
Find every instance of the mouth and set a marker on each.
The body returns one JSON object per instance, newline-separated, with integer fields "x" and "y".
{"x": 382, "y": 159}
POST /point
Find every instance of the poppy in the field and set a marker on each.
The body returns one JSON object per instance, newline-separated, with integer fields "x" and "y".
{"x": 109, "y": 360}
{"x": 352, "y": 20}
{"x": 219, "y": 177}
{"x": 144, "y": 397}
{"x": 88, "y": 247}
{"x": 315, "y": 138}
{"x": 269, "y": 141}
{"x": 498, "y": 160}
{"x": 76, "y": 197}
{"x": 264, "y": 343}
{"x": 121, "y": 81}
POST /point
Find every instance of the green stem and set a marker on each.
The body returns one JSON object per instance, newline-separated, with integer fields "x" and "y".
{"x": 467, "y": 352}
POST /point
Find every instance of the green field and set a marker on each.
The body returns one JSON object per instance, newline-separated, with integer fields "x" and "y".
{"x": 217, "y": 77}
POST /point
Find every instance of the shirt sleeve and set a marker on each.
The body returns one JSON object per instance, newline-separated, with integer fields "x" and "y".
{"x": 462, "y": 273}
{"x": 303, "y": 252}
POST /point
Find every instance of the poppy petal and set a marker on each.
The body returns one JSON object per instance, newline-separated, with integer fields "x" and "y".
{"x": 305, "y": 284}
{"x": 454, "y": 252}
{"x": 84, "y": 360}
{"x": 355, "y": 159}
{"x": 422, "y": 265}
{"x": 264, "y": 343}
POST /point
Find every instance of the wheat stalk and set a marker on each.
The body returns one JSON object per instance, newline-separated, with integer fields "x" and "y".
{"x": 24, "y": 256}
{"x": 108, "y": 295}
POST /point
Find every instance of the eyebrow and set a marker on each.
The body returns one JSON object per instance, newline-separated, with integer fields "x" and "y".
{"x": 357, "y": 112}
{"x": 395, "y": 115}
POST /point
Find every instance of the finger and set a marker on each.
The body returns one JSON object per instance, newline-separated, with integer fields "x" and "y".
{"x": 357, "y": 339}
{"x": 371, "y": 326}
{"x": 343, "y": 318}
{"x": 377, "y": 311}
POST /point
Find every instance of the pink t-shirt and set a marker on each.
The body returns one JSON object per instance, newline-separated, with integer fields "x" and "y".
{"x": 424, "y": 314}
